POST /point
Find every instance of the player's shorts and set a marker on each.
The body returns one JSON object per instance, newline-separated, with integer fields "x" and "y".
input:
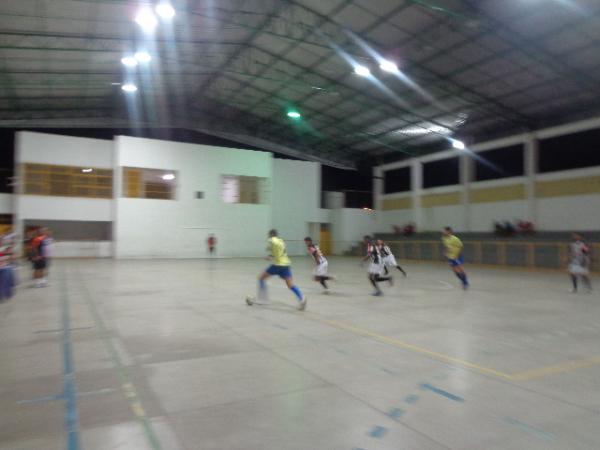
{"x": 376, "y": 268}
{"x": 39, "y": 264}
{"x": 577, "y": 269}
{"x": 321, "y": 269}
{"x": 390, "y": 261}
{"x": 457, "y": 262}
{"x": 281, "y": 271}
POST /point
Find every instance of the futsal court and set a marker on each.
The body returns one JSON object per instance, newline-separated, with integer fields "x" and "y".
{"x": 165, "y": 354}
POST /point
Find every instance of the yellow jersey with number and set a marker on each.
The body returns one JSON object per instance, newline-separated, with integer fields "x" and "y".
{"x": 453, "y": 246}
{"x": 278, "y": 252}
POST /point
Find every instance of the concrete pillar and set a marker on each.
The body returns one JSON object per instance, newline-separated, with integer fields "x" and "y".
{"x": 531, "y": 156}
{"x": 466, "y": 173}
{"x": 416, "y": 177}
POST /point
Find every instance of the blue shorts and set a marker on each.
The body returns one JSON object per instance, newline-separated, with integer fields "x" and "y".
{"x": 457, "y": 262}
{"x": 282, "y": 271}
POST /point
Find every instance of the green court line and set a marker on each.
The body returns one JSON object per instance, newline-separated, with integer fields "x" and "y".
{"x": 127, "y": 386}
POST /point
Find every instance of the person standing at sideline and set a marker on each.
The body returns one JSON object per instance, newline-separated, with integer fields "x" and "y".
{"x": 579, "y": 266}
{"x": 281, "y": 267}
{"x": 454, "y": 253}
{"x": 211, "y": 243}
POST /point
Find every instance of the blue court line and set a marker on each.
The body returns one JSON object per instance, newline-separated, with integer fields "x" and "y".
{"x": 412, "y": 399}
{"x": 395, "y": 413}
{"x": 441, "y": 392}
{"x": 70, "y": 389}
{"x": 525, "y": 427}
{"x": 378, "y": 432}
{"x": 60, "y": 330}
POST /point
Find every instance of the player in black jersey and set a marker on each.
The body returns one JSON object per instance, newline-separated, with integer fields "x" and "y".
{"x": 376, "y": 266}
{"x": 321, "y": 264}
{"x": 388, "y": 257}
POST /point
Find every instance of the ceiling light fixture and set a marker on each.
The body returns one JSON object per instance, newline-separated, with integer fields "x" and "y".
{"x": 129, "y": 61}
{"x": 129, "y": 87}
{"x": 147, "y": 20}
{"x": 388, "y": 66}
{"x": 362, "y": 71}
{"x": 459, "y": 145}
{"x": 168, "y": 176}
{"x": 143, "y": 57}
{"x": 165, "y": 10}
{"x": 294, "y": 114}
{"x": 89, "y": 170}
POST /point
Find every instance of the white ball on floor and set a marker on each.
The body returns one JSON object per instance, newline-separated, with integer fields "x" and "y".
{"x": 249, "y": 300}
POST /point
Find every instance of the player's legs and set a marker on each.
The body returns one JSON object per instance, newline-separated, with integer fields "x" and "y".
{"x": 262, "y": 285}
{"x": 459, "y": 271}
{"x": 286, "y": 274}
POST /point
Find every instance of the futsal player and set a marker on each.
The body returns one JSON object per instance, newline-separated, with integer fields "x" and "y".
{"x": 280, "y": 267}
{"x": 376, "y": 266}
{"x": 321, "y": 264}
{"x": 579, "y": 266}
{"x": 454, "y": 253}
{"x": 389, "y": 260}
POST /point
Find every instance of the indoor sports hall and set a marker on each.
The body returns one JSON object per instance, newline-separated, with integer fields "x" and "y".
{"x": 299, "y": 225}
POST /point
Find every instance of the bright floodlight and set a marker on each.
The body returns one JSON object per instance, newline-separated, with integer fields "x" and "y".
{"x": 87, "y": 170}
{"x": 129, "y": 61}
{"x": 294, "y": 114}
{"x": 460, "y": 145}
{"x": 168, "y": 176}
{"x": 165, "y": 10}
{"x": 129, "y": 87}
{"x": 143, "y": 57}
{"x": 388, "y": 66}
{"x": 362, "y": 71}
{"x": 147, "y": 20}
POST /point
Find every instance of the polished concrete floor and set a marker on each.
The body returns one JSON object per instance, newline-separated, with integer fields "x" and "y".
{"x": 166, "y": 355}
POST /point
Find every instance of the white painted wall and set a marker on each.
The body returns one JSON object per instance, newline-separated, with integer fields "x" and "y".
{"x": 179, "y": 228}
{"x": 349, "y": 226}
{"x": 556, "y": 213}
{"x": 295, "y": 200}
{"x": 6, "y": 203}
{"x": 42, "y": 148}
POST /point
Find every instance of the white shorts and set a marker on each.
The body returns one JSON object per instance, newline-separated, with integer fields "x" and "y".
{"x": 578, "y": 269}
{"x": 320, "y": 270}
{"x": 390, "y": 261}
{"x": 376, "y": 268}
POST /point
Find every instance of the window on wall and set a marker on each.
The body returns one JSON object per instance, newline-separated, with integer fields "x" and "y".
{"x": 157, "y": 184}
{"x": 397, "y": 180}
{"x": 443, "y": 172}
{"x": 499, "y": 163}
{"x": 242, "y": 189}
{"x": 572, "y": 151}
{"x": 67, "y": 181}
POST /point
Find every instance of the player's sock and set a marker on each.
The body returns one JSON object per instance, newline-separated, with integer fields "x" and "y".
{"x": 386, "y": 270}
{"x": 262, "y": 289}
{"x": 574, "y": 280}
{"x": 380, "y": 278}
{"x": 586, "y": 282}
{"x": 322, "y": 281}
{"x": 401, "y": 270}
{"x": 458, "y": 275}
{"x": 463, "y": 278}
{"x": 297, "y": 292}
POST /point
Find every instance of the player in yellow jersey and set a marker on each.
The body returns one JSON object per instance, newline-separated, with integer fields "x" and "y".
{"x": 282, "y": 267}
{"x": 454, "y": 253}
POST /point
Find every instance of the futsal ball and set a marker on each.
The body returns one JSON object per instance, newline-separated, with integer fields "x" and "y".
{"x": 249, "y": 300}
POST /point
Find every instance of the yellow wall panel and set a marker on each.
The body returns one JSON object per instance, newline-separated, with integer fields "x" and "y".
{"x": 497, "y": 194}
{"x": 396, "y": 203}
{"x": 448, "y": 198}
{"x": 570, "y": 186}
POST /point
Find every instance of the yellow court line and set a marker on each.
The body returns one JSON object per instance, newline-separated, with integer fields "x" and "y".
{"x": 411, "y": 347}
{"x": 568, "y": 366}
{"x": 526, "y": 375}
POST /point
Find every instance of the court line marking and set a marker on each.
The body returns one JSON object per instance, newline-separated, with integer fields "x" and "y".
{"x": 126, "y": 385}
{"x": 69, "y": 386}
{"x": 526, "y": 375}
{"x": 555, "y": 369}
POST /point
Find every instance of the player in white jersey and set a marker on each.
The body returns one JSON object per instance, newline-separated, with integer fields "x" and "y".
{"x": 579, "y": 265}
{"x": 388, "y": 257}
{"x": 321, "y": 264}
{"x": 376, "y": 266}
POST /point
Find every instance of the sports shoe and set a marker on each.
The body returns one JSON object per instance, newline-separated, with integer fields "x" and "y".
{"x": 573, "y": 291}
{"x": 302, "y": 304}
{"x": 326, "y": 291}
{"x": 377, "y": 294}
{"x": 391, "y": 280}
